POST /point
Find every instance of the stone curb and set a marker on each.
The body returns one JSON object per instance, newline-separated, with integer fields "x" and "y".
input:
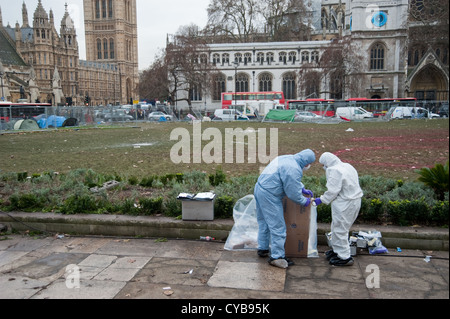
{"x": 423, "y": 238}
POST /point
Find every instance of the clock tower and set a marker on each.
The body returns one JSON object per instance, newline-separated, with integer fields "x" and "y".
{"x": 111, "y": 38}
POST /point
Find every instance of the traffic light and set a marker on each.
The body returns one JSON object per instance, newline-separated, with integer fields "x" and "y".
{"x": 86, "y": 100}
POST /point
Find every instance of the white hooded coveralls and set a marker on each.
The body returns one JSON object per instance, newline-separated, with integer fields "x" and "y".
{"x": 344, "y": 193}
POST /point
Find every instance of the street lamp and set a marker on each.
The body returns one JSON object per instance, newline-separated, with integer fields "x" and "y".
{"x": 3, "y": 92}
{"x": 236, "y": 64}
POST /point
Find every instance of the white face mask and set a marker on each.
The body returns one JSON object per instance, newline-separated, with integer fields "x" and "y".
{"x": 306, "y": 168}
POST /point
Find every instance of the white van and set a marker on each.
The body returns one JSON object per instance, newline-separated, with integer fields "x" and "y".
{"x": 353, "y": 113}
{"x": 406, "y": 112}
{"x": 228, "y": 115}
{"x": 399, "y": 112}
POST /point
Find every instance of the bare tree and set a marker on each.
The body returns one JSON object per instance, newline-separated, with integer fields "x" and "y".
{"x": 154, "y": 82}
{"x": 286, "y": 19}
{"x": 343, "y": 68}
{"x": 233, "y": 18}
{"x": 244, "y": 20}
{"x": 188, "y": 66}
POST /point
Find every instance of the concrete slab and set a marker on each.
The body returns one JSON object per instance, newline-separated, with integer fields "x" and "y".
{"x": 170, "y": 271}
{"x": 130, "y": 262}
{"x": 315, "y": 278}
{"x": 248, "y": 275}
{"x": 130, "y": 247}
{"x": 7, "y": 257}
{"x": 30, "y": 244}
{"x": 50, "y": 265}
{"x": 151, "y": 291}
{"x": 188, "y": 249}
{"x": 406, "y": 277}
{"x": 79, "y": 244}
{"x": 91, "y": 289}
{"x": 20, "y": 287}
{"x": 100, "y": 261}
{"x": 117, "y": 274}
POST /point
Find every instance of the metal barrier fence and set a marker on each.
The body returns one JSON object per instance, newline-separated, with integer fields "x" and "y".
{"x": 48, "y": 118}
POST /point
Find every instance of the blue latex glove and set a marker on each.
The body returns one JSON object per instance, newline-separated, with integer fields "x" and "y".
{"x": 317, "y": 201}
{"x": 308, "y": 202}
{"x": 307, "y": 192}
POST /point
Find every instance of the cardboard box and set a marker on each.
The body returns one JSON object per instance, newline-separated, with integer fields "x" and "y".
{"x": 297, "y": 220}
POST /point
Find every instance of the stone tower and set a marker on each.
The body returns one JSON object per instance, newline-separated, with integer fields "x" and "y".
{"x": 111, "y": 37}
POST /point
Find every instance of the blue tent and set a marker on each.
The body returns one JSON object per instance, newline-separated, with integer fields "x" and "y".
{"x": 51, "y": 121}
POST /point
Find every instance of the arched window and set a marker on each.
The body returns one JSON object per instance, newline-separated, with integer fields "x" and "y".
{"x": 238, "y": 57}
{"x": 377, "y": 57}
{"x": 203, "y": 58}
{"x": 270, "y": 57}
{"x": 247, "y": 58}
{"x": 105, "y": 49}
{"x": 242, "y": 82}
{"x": 195, "y": 93}
{"x": 315, "y": 56}
{"x": 219, "y": 87}
{"x": 110, "y": 8}
{"x": 99, "y": 49}
{"x": 282, "y": 57}
{"x": 103, "y": 9}
{"x": 305, "y": 57}
{"x": 265, "y": 82}
{"x": 111, "y": 49}
{"x": 260, "y": 57}
{"x": 97, "y": 9}
{"x": 292, "y": 56}
{"x": 225, "y": 58}
{"x": 289, "y": 86}
{"x": 216, "y": 58}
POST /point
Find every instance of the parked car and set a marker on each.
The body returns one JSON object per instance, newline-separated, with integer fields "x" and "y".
{"x": 405, "y": 112}
{"x": 422, "y": 112}
{"x": 443, "y": 110}
{"x": 305, "y": 115}
{"x": 159, "y": 116}
{"x": 117, "y": 117}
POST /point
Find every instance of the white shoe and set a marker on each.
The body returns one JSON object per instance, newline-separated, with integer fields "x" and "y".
{"x": 280, "y": 263}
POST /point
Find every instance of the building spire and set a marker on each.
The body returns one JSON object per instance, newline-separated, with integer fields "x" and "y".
{"x": 25, "y": 16}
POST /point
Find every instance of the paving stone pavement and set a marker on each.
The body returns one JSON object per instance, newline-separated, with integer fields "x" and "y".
{"x": 130, "y": 268}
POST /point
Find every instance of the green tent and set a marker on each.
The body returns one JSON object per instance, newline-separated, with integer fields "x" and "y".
{"x": 26, "y": 125}
{"x": 280, "y": 115}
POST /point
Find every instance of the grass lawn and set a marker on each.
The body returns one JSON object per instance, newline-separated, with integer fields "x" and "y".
{"x": 393, "y": 149}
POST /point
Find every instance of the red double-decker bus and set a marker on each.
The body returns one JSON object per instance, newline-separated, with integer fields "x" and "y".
{"x": 320, "y": 107}
{"x": 379, "y": 107}
{"x": 9, "y": 110}
{"x": 239, "y": 98}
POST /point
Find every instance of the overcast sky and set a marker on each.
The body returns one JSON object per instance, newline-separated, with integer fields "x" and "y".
{"x": 156, "y": 19}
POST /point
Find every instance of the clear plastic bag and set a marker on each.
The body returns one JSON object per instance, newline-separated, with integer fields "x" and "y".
{"x": 244, "y": 234}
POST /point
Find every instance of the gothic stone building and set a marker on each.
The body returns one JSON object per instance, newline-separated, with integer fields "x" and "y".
{"x": 47, "y": 67}
{"x": 386, "y": 64}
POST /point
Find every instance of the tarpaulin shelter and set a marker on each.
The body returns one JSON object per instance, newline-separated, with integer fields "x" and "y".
{"x": 280, "y": 115}
{"x": 70, "y": 122}
{"x": 51, "y": 121}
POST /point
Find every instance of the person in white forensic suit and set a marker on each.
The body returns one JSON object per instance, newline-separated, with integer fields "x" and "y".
{"x": 344, "y": 194}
